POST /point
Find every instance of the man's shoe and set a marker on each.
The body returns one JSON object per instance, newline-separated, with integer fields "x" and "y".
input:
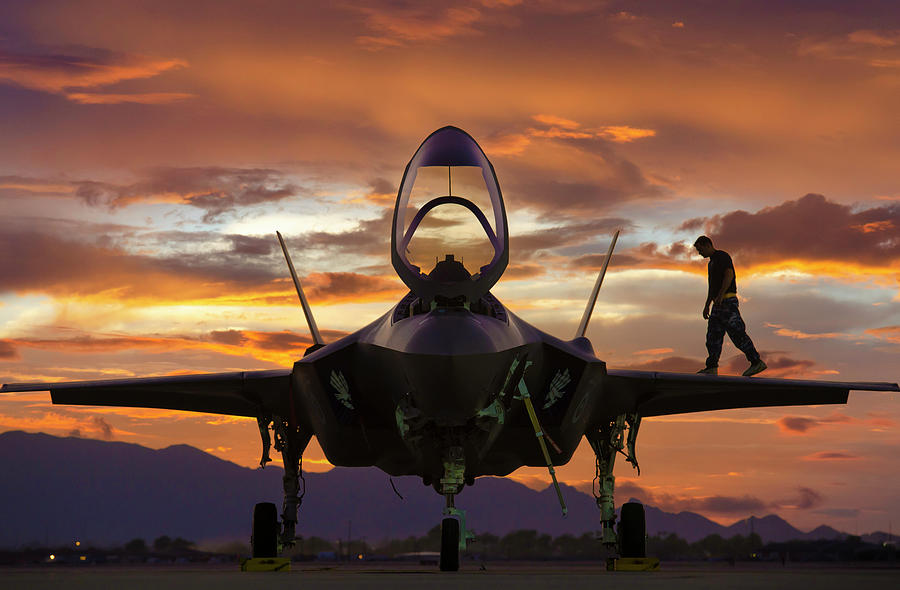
{"x": 757, "y": 367}
{"x": 710, "y": 371}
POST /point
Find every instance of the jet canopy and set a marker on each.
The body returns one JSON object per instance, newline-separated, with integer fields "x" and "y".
{"x": 449, "y": 147}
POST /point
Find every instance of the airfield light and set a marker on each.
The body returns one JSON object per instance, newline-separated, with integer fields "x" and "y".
{"x": 359, "y": 556}
{"x": 78, "y": 543}
{"x": 52, "y": 557}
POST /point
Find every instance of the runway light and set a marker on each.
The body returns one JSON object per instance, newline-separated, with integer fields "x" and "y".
{"x": 78, "y": 543}
{"x": 52, "y": 557}
{"x": 360, "y": 556}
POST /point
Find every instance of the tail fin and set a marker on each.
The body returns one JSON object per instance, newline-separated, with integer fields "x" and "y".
{"x": 582, "y": 327}
{"x": 310, "y": 320}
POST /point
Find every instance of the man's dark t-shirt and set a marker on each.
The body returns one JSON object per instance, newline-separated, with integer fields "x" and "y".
{"x": 719, "y": 261}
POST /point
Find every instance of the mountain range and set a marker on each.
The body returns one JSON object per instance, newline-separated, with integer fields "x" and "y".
{"x": 56, "y": 490}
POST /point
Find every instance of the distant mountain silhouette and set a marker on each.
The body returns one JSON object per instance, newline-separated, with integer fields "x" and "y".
{"x": 56, "y": 490}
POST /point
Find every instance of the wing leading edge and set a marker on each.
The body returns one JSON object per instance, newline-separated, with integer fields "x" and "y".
{"x": 246, "y": 393}
{"x": 651, "y": 393}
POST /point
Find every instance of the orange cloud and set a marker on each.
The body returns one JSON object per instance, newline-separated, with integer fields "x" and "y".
{"x": 624, "y": 133}
{"x": 799, "y": 425}
{"x": 655, "y": 351}
{"x": 831, "y": 456}
{"x": 798, "y": 335}
{"x": 279, "y": 348}
{"x": 511, "y": 144}
{"x": 8, "y": 351}
{"x": 874, "y": 226}
{"x": 33, "y": 185}
{"x": 58, "y": 73}
{"x": 146, "y": 98}
{"x": 880, "y": 49}
{"x": 518, "y": 272}
{"x": 876, "y": 38}
{"x": 396, "y": 26}
{"x": 555, "y": 121}
{"x": 244, "y": 275}
{"x": 557, "y": 127}
{"x": 889, "y": 333}
{"x": 336, "y": 287}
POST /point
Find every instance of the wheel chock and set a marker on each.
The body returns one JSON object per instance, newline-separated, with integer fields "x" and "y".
{"x": 265, "y": 564}
{"x": 632, "y": 564}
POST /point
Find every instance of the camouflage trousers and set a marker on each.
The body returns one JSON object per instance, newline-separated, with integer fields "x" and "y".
{"x": 726, "y": 318}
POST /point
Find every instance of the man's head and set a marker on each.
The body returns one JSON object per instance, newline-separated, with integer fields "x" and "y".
{"x": 704, "y": 246}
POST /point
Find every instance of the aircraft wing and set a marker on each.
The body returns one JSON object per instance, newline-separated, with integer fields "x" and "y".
{"x": 651, "y": 393}
{"x": 247, "y": 393}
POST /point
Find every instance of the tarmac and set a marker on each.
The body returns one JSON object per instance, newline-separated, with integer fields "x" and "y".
{"x": 495, "y": 576}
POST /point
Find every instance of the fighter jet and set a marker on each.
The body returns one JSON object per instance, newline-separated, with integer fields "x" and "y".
{"x": 449, "y": 385}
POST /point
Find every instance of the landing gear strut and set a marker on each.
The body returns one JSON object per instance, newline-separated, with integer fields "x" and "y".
{"x": 606, "y": 442}
{"x": 454, "y": 533}
{"x": 290, "y": 441}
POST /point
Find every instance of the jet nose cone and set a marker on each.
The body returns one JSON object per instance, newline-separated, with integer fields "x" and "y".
{"x": 452, "y": 331}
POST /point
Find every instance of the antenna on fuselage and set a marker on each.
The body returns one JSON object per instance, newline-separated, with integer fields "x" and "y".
{"x": 310, "y": 320}
{"x": 582, "y": 327}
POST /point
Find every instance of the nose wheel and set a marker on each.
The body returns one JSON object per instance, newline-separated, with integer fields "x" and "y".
{"x": 449, "y": 545}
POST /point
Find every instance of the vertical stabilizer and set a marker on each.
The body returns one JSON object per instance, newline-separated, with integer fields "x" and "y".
{"x": 310, "y": 320}
{"x": 582, "y": 327}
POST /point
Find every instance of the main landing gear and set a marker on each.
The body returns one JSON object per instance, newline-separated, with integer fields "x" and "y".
{"x": 629, "y": 539}
{"x": 268, "y": 538}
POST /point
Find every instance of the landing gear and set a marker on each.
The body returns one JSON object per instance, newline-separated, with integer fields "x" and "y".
{"x": 454, "y": 533}
{"x": 264, "y": 540}
{"x": 290, "y": 441}
{"x": 606, "y": 442}
{"x": 632, "y": 531}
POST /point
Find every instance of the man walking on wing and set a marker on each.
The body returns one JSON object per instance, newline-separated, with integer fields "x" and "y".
{"x": 724, "y": 316}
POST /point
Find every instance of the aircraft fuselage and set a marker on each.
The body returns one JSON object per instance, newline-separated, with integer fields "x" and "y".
{"x": 398, "y": 391}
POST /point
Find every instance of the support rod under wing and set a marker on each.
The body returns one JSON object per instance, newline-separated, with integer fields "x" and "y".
{"x": 582, "y": 327}
{"x": 310, "y": 320}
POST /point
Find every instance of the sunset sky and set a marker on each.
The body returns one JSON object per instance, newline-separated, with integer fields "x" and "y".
{"x": 149, "y": 151}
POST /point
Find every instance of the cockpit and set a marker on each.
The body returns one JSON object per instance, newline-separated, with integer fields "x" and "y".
{"x": 446, "y": 188}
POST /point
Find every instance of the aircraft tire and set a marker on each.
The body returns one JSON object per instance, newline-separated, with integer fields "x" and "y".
{"x": 450, "y": 545}
{"x": 264, "y": 540}
{"x": 632, "y": 530}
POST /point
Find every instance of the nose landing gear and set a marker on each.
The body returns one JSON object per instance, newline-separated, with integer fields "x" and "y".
{"x": 454, "y": 534}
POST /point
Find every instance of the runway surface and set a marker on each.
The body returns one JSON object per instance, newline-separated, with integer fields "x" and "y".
{"x": 512, "y": 576}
